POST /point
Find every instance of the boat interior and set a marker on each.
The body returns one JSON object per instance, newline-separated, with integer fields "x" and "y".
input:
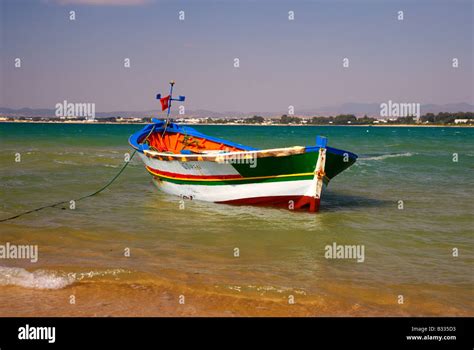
{"x": 183, "y": 143}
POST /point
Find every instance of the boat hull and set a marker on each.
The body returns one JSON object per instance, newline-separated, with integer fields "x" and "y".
{"x": 238, "y": 184}
{"x": 191, "y": 165}
{"x": 269, "y": 193}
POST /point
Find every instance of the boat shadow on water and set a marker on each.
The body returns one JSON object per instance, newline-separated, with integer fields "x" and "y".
{"x": 334, "y": 201}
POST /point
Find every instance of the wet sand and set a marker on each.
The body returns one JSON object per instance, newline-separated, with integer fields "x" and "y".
{"x": 153, "y": 298}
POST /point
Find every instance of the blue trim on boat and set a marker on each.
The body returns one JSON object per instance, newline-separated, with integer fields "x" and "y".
{"x": 336, "y": 151}
{"x": 159, "y": 125}
{"x": 321, "y": 141}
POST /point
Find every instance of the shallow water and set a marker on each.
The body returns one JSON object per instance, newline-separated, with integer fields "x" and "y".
{"x": 174, "y": 251}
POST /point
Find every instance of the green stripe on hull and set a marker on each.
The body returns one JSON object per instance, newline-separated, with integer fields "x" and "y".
{"x": 294, "y": 164}
{"x": 271, "y": 166}
{"x": 336, "y": 164}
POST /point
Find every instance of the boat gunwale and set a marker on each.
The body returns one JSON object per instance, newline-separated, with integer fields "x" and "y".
{"x": 248, "y": 151}
{"x": 221, "y": 156}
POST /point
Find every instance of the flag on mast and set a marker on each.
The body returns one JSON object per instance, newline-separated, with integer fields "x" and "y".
{"x": 165, "y": 102}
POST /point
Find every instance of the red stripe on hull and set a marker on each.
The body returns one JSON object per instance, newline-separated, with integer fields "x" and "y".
{"x": 299, "y": 202}
{"x": 188, "y": 176}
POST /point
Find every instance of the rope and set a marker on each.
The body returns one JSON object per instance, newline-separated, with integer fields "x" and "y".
{"x": 84, "y": 197}
{"x": 76, "y": 200}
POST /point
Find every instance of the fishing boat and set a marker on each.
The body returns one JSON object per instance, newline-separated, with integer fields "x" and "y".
{"x": 195, "y": 166}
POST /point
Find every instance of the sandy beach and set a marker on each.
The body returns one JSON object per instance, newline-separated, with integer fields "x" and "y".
{"x": 164, "y": 298}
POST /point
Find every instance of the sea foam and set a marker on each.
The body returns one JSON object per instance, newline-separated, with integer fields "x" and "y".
{"x": 43, "y": 279}
{"x": 39, "y": 279}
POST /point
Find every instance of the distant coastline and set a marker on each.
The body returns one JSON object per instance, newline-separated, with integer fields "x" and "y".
{"x": 428, "y": 119}
{"x": 242, "y": 124}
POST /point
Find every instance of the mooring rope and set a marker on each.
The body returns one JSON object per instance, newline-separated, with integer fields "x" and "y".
{"x": 87, "y": 196}
{"x": 75, "y": 200}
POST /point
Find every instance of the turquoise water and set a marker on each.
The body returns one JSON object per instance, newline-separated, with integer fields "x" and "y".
{"x": 407, "y": 251}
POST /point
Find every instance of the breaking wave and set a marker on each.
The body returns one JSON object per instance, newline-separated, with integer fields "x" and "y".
{"x": 42, "y": 279}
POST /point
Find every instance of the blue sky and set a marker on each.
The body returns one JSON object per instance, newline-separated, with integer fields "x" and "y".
{"x": 282, "y": 62}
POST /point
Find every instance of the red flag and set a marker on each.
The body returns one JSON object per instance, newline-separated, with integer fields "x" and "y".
{"x": 164, "y": 102}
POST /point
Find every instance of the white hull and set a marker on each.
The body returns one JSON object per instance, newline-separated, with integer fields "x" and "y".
{"x": 226, "y": 193}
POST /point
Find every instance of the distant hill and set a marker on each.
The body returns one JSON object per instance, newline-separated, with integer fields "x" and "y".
{"x": 358, "y": 109}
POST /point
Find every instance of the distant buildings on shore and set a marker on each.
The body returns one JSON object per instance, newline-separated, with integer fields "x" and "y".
{"x": 73, "y": 119}
{"x": 443, "y": 118}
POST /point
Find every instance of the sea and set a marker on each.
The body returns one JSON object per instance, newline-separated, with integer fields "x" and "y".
{"x": 132, "y": 250}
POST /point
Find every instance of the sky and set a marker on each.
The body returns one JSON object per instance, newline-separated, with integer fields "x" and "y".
{"x": 282, "y": 62}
